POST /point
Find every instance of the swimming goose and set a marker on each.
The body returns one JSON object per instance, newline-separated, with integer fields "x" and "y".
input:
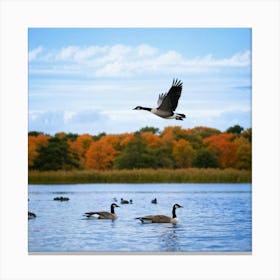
{"x": 102, "y": 214}
{"x": 61, "y": 198}
{"x": 161, "y": 218}
{"x": 154, "y": 201}
{"x": 123, "y": 201}
{"x": 167, "y": 103}
{"x": 31, "y": 215}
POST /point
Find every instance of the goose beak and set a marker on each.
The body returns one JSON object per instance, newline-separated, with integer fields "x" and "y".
{"x": 117, "y": 205}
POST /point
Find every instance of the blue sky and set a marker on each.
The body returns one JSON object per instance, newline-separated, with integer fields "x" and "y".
{"x": 88, "y": 80}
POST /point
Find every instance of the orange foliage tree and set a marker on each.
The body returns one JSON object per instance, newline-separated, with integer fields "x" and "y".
{"x": 34, "y": 142}
{"x": 125, "y": 138}
{"x": 224, "y": 147}
{"x": 152, "y": 140}
{"x": 102, "y": 153}
{"x": 171, "y": 133}
{"x": 81, "y": 145}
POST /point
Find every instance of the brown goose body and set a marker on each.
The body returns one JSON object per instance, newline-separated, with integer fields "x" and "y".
{"x": 103, "y": 215}
{"x": 161, "y": 218}
{"x": 156, "y": 219}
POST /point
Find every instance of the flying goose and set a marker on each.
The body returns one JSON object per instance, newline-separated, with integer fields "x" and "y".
{"x": 31, "y": 215}
{"x": 103, "y": 214}
{"x": 161, "y": 218}
{"x": 167, "y": 103}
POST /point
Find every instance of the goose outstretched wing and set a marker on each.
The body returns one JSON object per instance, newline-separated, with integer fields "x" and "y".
{"x": 169, "y": 101}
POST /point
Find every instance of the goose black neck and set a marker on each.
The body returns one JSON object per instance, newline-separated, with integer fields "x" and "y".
{"x": 145, "y": 108}
{"x": 112, "y": 209}
{"x": 174, "y": 212}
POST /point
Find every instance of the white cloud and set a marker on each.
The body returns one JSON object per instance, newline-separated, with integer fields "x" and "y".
{"x": 123, "y": 60}
{"x": 67, "y": 53}
{"x": 32, "y": 55}
{"x": 68, "y": 121}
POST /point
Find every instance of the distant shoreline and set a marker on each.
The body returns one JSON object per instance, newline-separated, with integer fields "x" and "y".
{"x": 189, "y": 175}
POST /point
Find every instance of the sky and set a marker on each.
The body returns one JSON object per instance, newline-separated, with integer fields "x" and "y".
{"x": 88, "y": 80}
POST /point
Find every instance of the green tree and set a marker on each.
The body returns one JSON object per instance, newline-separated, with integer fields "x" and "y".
{"x": 100, "y": 135}
{"x": 151, "y": 129}
{"x": 55, "y": 156}
{"x": 135, "y": 155}
{"x": 35, "y": 133}
{"x": 237, "y": 129}
{"x": 205, "y": 159}
{"x": 163, "y": 157}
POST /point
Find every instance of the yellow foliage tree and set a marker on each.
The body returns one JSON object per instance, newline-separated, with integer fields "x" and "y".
{"x": 183, "y": 153}
{"x": 243, "y": 153}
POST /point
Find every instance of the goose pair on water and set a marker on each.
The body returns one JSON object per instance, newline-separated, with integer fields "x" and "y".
{"x": 124, "y": 201}
{"x": 144, "y": 219}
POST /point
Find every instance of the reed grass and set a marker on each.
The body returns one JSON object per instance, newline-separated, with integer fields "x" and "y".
{"x": 190, "y": 175}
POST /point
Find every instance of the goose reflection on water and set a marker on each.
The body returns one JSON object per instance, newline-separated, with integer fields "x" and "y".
{"x": 170, "y": 238}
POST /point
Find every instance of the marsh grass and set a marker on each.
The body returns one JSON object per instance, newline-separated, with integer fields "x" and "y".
{"x": 190, "y": 175}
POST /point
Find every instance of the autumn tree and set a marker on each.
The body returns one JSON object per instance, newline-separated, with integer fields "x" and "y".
{"x": 171, "y": 133}
{"x": 243, "y": 153}
{"x": 203, "y": 131}
{"x": 183, "y": 153}
{"x": 35, "y": 141}
{"x": 174, "y": 147}
{"x": 80, "y": 146}
{"x": 102, "y": 153}
{"x": 152, "y": 140}
{"x": 224, "y": 147}
{"x": 247, "y": 134}
{"x": 125, "y": 139}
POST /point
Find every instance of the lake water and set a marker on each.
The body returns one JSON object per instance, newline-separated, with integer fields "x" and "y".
{"x": 215, "y": 218}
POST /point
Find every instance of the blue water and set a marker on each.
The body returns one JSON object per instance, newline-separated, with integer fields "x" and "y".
{"x": 215, "y": 218}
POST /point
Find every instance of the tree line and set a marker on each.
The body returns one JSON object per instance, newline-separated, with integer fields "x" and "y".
{"x": 174, "y": 147}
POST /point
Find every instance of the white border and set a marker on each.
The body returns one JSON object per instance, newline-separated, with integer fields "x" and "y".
{"x": 262, "y": 16}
